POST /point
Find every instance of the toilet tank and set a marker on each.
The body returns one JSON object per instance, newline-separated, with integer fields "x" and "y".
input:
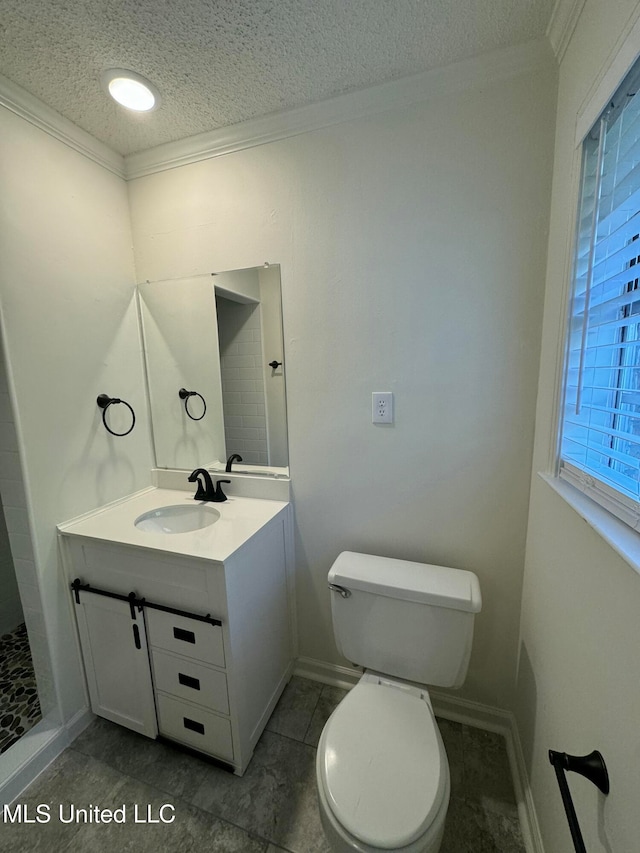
{"x": 409, "y": 620}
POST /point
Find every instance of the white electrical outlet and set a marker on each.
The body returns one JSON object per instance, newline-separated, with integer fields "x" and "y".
{"x": 382, "y": 407}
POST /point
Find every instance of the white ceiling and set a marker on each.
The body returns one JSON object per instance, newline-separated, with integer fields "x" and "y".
{"x": 220, "y": 62}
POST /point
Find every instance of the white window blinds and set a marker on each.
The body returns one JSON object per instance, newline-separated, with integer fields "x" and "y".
{"x": 600, "y": 438}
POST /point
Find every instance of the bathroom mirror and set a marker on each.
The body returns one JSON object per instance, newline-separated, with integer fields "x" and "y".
{"x": 213, "y": 348}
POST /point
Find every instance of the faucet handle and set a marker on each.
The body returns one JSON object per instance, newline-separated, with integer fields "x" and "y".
{"x": 220, "y": 495}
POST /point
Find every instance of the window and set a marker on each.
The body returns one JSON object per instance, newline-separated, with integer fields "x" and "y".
{"x": 600, "y": 432}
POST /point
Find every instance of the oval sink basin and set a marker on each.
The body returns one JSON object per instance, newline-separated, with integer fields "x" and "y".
{"x": 177, "y": 519}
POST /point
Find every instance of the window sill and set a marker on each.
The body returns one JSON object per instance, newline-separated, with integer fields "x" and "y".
{"x": 623, "y": 539}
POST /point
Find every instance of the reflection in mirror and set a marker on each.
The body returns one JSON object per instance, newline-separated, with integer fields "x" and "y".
{"x": 214, "y": 350}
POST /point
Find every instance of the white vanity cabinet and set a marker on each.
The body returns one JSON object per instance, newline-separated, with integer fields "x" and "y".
{"x": 211, "y": 646}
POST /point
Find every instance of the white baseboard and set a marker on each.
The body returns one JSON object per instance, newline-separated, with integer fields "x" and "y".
{"x": 526, "y": 807}
{"x": 33, "y": 753}
{"x": 504, "y": 723}
{"x": 327, "y": 673}
{"x": 458, "y": 710}
{"x": 78, "y": 723}
{"x": 264, "y": 717}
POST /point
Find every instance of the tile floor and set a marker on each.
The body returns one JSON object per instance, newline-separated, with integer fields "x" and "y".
{"x": 19, "y": 703}
{"x": 271, "y": 809}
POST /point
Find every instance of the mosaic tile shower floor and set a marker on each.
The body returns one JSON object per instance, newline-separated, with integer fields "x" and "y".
{"x": 271, "y": 809}
{"x": 19, "y": 704}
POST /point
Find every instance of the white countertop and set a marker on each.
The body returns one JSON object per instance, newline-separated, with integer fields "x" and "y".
{"x": 240, "y": 519}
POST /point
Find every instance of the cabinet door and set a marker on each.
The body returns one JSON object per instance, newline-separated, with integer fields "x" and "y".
{"x": 114, "y": 648}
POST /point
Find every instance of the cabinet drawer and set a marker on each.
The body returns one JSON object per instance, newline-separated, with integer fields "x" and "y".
{"x": 191, "y": 681}
{"x": 194, "y": 726}
{"x": 185, "y": 636}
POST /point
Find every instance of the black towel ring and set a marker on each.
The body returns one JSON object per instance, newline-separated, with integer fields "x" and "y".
{"x": 184, "y": 395}
{"x": 104, "y": 401}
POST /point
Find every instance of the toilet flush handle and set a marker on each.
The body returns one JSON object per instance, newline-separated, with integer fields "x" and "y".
{"x": 344, "y": 592}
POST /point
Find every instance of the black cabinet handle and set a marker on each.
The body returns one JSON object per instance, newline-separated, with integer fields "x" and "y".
{"x": 188, "y": 681}
{"x": 193, "y": 725}
{"x": 136, "y": 637}
{"x": 181, "y": 634}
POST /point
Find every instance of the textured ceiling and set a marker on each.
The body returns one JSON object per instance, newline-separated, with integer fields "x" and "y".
{"x": 219, "y": 62}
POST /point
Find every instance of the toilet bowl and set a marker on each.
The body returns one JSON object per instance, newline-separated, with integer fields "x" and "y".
{"x": 381, "y": 768}
{"x": 382, "y": 771}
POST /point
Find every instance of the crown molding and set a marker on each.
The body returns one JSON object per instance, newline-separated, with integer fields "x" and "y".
{"x": 397, "y": 94}
{"x": 17, "y": 100}
{"x": 562, "y": 24}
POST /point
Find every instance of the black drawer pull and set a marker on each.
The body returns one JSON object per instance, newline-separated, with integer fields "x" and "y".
{"x": 191, "y": 724}
{"x": 181, "y": 634}
{"x": 188, "y": 681}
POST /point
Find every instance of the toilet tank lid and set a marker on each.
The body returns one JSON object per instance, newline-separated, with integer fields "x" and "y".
{"x": 456, "y": 589}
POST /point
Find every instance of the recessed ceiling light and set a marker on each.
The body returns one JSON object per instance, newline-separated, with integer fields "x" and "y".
{"x": 131, "y": 90}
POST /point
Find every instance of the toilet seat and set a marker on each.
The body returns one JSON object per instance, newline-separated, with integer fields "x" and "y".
{"x": 382, "y": 765}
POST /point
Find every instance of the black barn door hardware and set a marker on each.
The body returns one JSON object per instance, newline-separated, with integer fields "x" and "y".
{"x": 134, "y": 601}
{"x": 275, "y": 364}
{"x": 77, "y": 586}
{"x": 590, "y": 766}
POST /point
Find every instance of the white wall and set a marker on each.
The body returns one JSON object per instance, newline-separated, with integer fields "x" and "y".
{"x": 242, "y": 375}
{"x": 579, "y": 671}
{"x": 239, "y": 283}
{"x": 272, "y": 338}
{"x": 412, "y": 249}
{"x": 66, "y": 290}
{"x": 181, "y": 346}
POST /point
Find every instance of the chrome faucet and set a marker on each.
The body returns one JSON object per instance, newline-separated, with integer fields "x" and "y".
{"x": 206, "y": 491}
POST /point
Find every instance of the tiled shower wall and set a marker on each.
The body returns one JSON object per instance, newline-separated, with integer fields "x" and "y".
{"x": 10, "y": 607}
{"x": 241, "y": 369}
{"x": 14, "y": 505}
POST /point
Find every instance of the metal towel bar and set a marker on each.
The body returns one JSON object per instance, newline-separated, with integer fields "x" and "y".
{"x": 590, "y": 766}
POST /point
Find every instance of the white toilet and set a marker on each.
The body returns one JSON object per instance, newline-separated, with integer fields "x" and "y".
{"x": 381, "y": 767}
